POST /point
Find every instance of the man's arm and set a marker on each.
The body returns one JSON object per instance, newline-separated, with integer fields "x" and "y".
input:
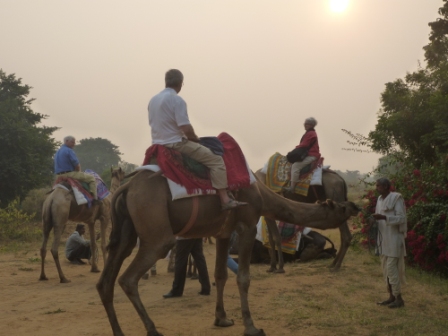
{"x": 189, "y": 132}
{"x": 78, "y": 167}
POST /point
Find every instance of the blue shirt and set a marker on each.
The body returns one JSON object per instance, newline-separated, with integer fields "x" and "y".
{"x": 65, "y": 160}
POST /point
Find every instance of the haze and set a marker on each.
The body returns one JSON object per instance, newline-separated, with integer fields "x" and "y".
{"x": 254, "y": 68}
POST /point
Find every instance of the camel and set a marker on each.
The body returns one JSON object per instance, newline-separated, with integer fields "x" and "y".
{"x": 334, "y": 187}
{"x": 143, "y": 208}
{"x": 60, "y": 206}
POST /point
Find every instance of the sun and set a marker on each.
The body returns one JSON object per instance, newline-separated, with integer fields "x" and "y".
{"x": 338, "y": 6}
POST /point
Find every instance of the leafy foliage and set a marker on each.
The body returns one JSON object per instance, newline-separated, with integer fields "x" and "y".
{"x": 26, "y": 150}
{"x": 15, "y": 224}
{"x": 412, "y": 133}
{"x": 97, "y": 154}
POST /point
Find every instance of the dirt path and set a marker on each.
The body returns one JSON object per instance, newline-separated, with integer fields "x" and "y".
{"x": 308, "y": 299}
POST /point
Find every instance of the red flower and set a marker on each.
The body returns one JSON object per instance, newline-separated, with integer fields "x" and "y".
{"x": 416, "y": 172}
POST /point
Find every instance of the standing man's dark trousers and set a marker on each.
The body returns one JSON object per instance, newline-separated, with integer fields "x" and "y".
{"x": 183, "y": 250}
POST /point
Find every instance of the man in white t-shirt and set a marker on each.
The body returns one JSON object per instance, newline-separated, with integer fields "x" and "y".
{"x": 171, "y": 127}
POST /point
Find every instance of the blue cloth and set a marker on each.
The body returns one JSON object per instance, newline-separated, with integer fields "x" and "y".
{"x": 101, "y": 188}
{"x": 65, "y": 160}
{"x": 212, "y": 143}
{"x": 231, "y": 264}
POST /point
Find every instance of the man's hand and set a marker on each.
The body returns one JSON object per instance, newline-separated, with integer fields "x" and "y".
{"x": 378, "y": 216}
{"x": 189, "y": 133}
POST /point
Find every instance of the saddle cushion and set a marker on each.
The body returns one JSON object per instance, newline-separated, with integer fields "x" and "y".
{"x": 176, "y": 168}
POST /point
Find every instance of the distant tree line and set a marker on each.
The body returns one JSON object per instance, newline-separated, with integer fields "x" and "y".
{"x": 27, "y": 148}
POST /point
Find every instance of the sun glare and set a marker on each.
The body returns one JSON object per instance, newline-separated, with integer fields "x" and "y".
{"x": 338, "y": 6}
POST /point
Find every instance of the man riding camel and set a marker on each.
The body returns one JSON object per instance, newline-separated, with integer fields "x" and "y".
{"x": 67, "y": 164}
{"x": 171, "y": 127}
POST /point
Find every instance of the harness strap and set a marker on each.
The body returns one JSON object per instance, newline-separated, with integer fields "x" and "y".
{"x": 193, "y": 217}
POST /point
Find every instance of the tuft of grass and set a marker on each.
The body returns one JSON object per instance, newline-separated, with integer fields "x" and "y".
{"x": 25, "y": 269}
{"x": 59, "y": 310}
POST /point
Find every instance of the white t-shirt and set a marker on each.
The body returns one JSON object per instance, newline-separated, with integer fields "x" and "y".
{"x": 167, "y": 112}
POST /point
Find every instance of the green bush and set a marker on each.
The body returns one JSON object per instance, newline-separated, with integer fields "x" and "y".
{"x": 15, "y": 224}
{"x": 33, "y": 202}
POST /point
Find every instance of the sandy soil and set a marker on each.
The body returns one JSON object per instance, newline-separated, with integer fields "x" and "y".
{"x": 32, "y": 307}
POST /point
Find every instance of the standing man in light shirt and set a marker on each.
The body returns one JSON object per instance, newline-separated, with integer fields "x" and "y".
{"x": 171, "y": 127}
{"x": 390, "y": 214}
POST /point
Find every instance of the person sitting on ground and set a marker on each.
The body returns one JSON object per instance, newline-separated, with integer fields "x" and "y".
{"x": 310, "y": 142}
{"x": 183, "y": 249}
{"x": 171, "y": 127}
{"x": 67, "y": 164}
{"x": 77, "y": 248}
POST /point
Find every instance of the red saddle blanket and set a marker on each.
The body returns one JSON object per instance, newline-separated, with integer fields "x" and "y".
{"x": 171, "y": 163}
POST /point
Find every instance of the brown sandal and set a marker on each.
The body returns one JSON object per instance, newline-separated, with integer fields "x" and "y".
{"x": 232, "y": 204}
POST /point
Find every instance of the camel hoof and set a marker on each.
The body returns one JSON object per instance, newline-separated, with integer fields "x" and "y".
{"x": 96, "y": 270}
{"x": 223, "y": 323}
{"x": 65, "y": 280}
{"x": 43, "y": 277}
{"x": 259, "y": 333}
{"x": 270, "y": 270}
{"x": 279, "y": 271}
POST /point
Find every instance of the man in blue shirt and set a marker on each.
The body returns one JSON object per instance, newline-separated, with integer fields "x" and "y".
{"x": 67, "y": 164}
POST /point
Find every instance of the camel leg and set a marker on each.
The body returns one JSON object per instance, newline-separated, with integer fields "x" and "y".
{"x": 152, "y": 248}
{"x": 58, "y": 230}
{"x": 222, "y": 250}
{"x": 47, "y": 227}
{"x": 93, "y": 248}
{"x": 106, "y": 284}
{"x": 275, "y": 241}
{"x": 246, "y": 242}
{"x": 104, "y": 221}
{"x": 346, "y": 238}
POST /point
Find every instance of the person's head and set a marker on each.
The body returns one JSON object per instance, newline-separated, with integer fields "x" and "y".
{"x": 69, "y": 141}
{"x": 383, "y": 186}
{"x": 80, "y": 228}
{"x": 310, "y": 123}
{"x": 174, "y": 79}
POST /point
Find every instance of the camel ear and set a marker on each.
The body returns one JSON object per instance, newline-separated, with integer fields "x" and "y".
{"x": 330, "y": 203}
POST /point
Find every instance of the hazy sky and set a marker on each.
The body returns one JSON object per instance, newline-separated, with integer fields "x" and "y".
{"x": 253, "y": 68}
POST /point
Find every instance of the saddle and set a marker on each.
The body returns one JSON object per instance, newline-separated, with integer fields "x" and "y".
{"x": 194, "y": 176}
{"x": 278, "y": 174}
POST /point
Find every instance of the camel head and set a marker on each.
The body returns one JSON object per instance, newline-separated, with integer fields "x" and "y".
{"x": 117, "y": 173}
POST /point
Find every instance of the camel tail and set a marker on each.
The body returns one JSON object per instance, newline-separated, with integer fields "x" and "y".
{"x": 47, "y": 219}
{"x": 329, "y": 240}
{"x": 121, "y": 221}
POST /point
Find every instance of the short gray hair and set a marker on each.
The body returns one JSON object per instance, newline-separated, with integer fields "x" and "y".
{"x": 384, "y": 182}
{"x": 69, "y": 138}
{"x": 311, "y": 121}
{"x": 173, "y": 77}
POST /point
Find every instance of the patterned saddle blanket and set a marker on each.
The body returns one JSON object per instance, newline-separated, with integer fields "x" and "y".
{"x": 279, "y": 174}
{"x": 193, "y": 175}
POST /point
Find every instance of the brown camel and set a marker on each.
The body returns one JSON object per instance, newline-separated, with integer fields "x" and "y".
{"x": 143, "y": 208}
{"x": 60, "y": 206}
{"x": 334, "y": 187}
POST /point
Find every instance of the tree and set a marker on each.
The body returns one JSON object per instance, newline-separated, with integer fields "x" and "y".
{"x": 97, "y": 154}
{"x": 26, "y": 149}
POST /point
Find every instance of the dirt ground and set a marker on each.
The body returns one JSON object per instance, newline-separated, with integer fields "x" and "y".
{"x": 32, "y": 307}
{"x": 306, "y": 300}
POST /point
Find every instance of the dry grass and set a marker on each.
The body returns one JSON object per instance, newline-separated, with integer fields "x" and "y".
{"x": 307, "y": 300}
